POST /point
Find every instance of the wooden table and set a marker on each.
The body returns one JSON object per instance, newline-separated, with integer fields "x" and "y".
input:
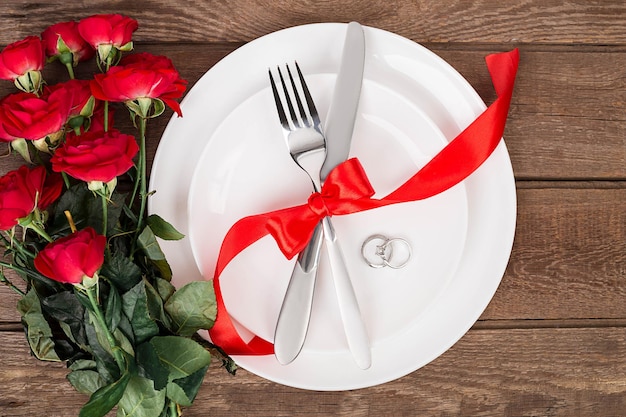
{"x": 553, "y": 340}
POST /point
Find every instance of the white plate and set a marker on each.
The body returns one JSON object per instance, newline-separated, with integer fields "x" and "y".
{"x": 412, "y": 103}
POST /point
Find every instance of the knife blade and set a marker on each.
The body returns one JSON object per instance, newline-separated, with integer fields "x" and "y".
{"x": 343, "y": 107}
{"x": 295, "y": 313}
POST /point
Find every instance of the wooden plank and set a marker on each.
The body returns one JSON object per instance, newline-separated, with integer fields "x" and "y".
{"x": 567, "y": 261}
{"x": 568, "y": 257}
{"x": 492, "y": 21}
{"x": 566, "y": 119}
{"x": 539, "y": 372}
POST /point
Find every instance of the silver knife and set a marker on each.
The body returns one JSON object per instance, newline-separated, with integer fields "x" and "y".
{"x": 295, "y": 313}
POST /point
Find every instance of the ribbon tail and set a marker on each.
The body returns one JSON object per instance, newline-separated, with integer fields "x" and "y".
{"x": 465, "y": 153}
{"x": 223, "y": 333}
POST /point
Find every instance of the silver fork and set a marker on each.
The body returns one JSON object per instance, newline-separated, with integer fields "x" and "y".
{"x": 307, "y": 146}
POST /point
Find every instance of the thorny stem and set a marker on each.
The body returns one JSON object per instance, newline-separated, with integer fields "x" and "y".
{"x": 143, "y": 187}
{"x": 105, "y": 215}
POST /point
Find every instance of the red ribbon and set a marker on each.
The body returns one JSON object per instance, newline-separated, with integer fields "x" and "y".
{"x": 347, "y": 190}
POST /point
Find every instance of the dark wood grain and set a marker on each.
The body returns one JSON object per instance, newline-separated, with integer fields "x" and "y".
{"x": 568, "y": 257}
{"x": 491, "y": 21}
{"x": 532, "y": 372}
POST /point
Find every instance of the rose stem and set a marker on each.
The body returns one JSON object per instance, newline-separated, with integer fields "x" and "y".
{"x": 15, "y": 243}
{"x": 66, "y": 180}
{"x": 40, "y": 231}
{"x": 143, "y": 192}
{"x": 70, "y": 70}
{"x": 115, "y": 349}
{"x": 103, "y": 198}
{"x": 9, "y": 284}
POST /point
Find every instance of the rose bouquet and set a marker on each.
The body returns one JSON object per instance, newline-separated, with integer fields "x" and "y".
{"x": 94, "y": 285}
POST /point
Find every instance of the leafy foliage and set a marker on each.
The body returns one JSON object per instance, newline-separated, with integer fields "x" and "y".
{"x": 128, "y": 336}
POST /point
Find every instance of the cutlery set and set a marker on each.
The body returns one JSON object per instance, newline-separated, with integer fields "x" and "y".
{"x": 317, "y": 150}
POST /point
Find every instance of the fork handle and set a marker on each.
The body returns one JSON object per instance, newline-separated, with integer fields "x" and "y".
{"x": 295, "y": 313}
{"x": 354, "y": 327}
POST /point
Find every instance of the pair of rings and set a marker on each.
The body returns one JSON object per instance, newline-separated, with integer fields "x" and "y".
{"x": 379, "y": 251}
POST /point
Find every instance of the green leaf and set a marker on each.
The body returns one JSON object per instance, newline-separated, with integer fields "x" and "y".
{"x": 135, "y": 307}
{"x": 38, "y": 333}
{"x": 121, "y": 271}
{"x": 114, "y": 210}
{"x": 85, "y": 381}
{"x": 165, "y": 289}
{"x": 104, "y": 399}
{"x": 162, "y": 228}
{"x": 72, "y": 200}
{"x": 113, "y": 312}
{"x": 184, "y": 390}
{"x": 82, "y": 364}
{"x": 179, "y": 355}
{"x": 105, "y": 363}
{"x": 66, "y": 308}
{"x": 192, "y": 308}
{"x": 155, "y": 305}
{"x": 121, "y": 339}
{"x": 86, "y": 209}
{"x": 148, "y": 360}
{"x": 148, "y": 243}
{"x": 141, "y": 399}
{"x": 123, "y": 342}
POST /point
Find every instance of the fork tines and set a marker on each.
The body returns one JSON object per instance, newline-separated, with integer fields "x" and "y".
{"x": 307, "y": 115}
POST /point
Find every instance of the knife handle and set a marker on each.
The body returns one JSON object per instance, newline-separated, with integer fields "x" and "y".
{"x": 354, "y": 327}
{"x": 295, "y": 313}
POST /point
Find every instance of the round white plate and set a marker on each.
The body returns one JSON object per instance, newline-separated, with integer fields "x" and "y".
{"x": 230, "y": 142}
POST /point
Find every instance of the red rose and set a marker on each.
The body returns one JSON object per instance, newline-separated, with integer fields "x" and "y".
{"x": 72, "y": 257}
{"x": 4, "y": 135}
{"x": 78, "y": 94}
{"x": 95, "y": 156}
{"x": 62, "y": 39}
{"x": 26, "y": 116}
{"x": 108, "y": 29}
{"x": 140, "y": 76}
{"x": 23, "y": 190}
{"x": 21, "y": 57}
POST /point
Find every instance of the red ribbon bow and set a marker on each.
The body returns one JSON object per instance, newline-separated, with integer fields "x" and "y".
{"x": 347, "y": 190}
{"x": 343, "y": 192}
